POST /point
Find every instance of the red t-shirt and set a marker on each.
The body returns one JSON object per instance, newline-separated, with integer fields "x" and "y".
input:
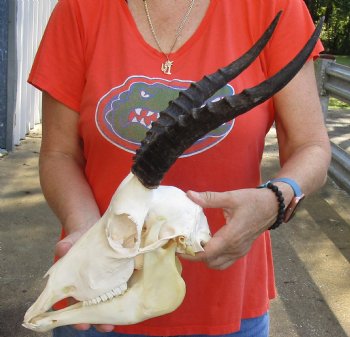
{"x": 94, "y": 60}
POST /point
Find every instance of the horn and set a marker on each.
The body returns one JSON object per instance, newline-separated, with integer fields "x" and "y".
{"x": 184, "y": 121}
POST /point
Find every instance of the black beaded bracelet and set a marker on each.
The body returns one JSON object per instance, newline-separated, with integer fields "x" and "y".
{"x": 281, "y": 206}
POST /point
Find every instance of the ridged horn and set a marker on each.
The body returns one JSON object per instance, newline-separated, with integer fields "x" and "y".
{"x": 184, "y": 121}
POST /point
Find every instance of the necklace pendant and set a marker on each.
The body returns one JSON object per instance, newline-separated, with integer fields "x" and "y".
{"x": 166, "y": 67}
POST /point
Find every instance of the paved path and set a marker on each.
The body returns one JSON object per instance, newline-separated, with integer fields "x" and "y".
{"x": 312, "y": 253}
{"x": 338, "y": 124}
{"x": 312, "y": 256}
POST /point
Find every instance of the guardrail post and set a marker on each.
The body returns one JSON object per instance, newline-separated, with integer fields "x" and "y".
{"x": 321, "y": 66}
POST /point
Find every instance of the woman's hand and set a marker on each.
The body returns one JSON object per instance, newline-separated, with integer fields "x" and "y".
{"x": 248, "y": 213}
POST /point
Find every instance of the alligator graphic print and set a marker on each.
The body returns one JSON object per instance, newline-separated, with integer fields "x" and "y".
{"x": 126, "y": 112}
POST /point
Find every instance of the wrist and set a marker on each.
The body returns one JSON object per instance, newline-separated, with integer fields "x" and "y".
{"x": 286, "y": 190}
{"x": 280, "y": 205}
{"x": 292, "y": 195}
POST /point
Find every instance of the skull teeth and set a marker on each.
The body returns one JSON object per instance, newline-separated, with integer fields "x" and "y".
{"x": 107, "y": 296}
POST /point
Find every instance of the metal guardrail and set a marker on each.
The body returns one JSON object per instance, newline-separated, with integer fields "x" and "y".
{"x": 338, "y": 82}
{"x": 340, "y": 167}
{"x": 333, "y": 80}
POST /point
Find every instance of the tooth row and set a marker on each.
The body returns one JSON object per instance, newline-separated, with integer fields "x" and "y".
{"x": 107, "y": 296}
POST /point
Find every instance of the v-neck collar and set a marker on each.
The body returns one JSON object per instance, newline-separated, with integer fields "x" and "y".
{"x": 198, "y": 32}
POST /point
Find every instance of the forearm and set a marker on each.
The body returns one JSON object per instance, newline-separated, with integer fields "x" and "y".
{"x": 61, "y": 167}
{"x": 304, "y": 147}
{"x": 67, "y": 191}
{"x": 307, "y": 165}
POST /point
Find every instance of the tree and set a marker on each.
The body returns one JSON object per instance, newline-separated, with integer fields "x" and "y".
{"x": 336, "y": 32}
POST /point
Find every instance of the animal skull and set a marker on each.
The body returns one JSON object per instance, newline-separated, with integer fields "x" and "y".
{"x": 113, "y": 268}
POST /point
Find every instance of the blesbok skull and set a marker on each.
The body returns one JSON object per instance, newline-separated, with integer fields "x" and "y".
{"x": 124, "y": 269}
{"x": 121, "y": 267}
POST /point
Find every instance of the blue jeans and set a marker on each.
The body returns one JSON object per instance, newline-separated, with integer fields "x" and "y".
{"x": 252, "y": 327}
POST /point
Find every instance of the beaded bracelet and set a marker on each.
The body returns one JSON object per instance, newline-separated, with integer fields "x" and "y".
{"x": 281, "y": 206}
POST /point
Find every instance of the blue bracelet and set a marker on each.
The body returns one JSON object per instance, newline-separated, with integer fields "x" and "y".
{"x": 291, "y": 183}
{"x": 289, "y": 211}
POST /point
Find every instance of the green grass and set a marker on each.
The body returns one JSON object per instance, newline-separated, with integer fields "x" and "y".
{"x": 335, "y": 104}
{"x": 343, "y": 59}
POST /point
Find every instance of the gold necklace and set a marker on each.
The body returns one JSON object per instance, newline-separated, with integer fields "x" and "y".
{"x": 166, "y": 66}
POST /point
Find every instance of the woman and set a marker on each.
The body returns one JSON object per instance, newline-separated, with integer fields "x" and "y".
{"x": 106, "y": 66}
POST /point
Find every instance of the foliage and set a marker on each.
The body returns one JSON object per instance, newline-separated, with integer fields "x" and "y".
{"x": 336, "y": 33}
